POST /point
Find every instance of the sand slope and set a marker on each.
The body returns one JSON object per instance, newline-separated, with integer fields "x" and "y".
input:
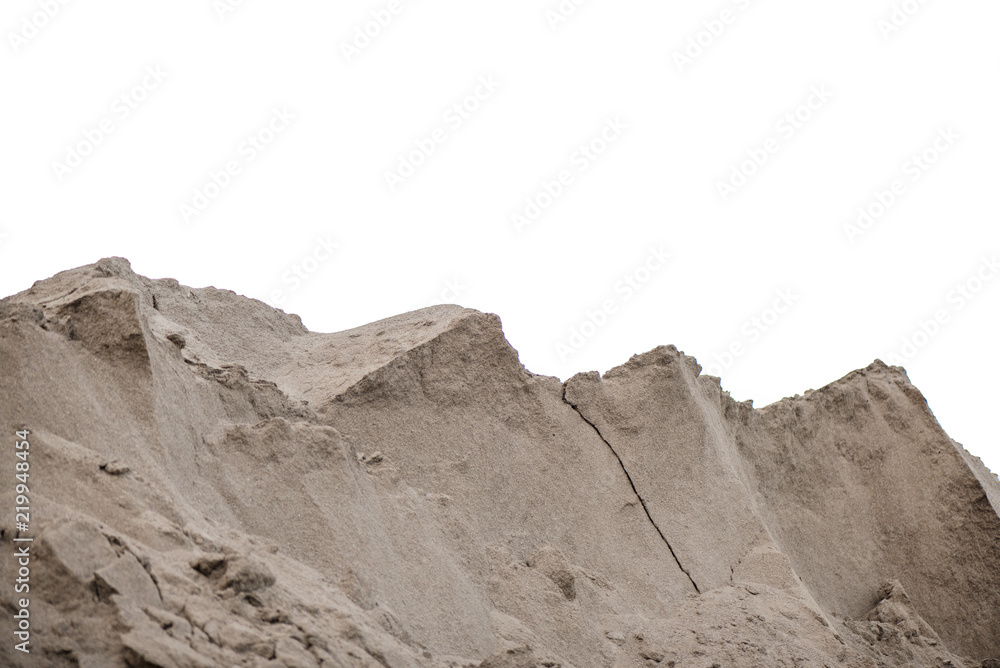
{"x": 214, "y": 485}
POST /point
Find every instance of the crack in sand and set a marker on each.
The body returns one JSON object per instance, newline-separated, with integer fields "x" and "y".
{"x": 642, "y": 501}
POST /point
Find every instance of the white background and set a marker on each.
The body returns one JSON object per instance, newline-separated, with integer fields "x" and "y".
{"x": 446, "y": 232}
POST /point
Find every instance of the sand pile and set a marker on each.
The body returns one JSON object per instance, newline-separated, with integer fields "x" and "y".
{"x": 213, "y": 485}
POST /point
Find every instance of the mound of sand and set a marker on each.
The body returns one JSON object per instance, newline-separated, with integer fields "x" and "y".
{"x": 213, "y": 485}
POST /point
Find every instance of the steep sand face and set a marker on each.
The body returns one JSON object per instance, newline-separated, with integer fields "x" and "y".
{"x": 863, "y": 487}
{"x": 214, "y": 485}
{"x": 675, "y": 445}
{"x": 855, "y": 482}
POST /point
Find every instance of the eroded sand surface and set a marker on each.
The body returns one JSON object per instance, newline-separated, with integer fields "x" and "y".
{"x": 214, "y": 485}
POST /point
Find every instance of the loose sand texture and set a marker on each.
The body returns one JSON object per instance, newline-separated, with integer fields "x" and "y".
{"x": 211, "y": 484}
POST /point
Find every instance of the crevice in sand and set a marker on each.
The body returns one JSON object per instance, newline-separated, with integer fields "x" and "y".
{"x": 628, "y": 477}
